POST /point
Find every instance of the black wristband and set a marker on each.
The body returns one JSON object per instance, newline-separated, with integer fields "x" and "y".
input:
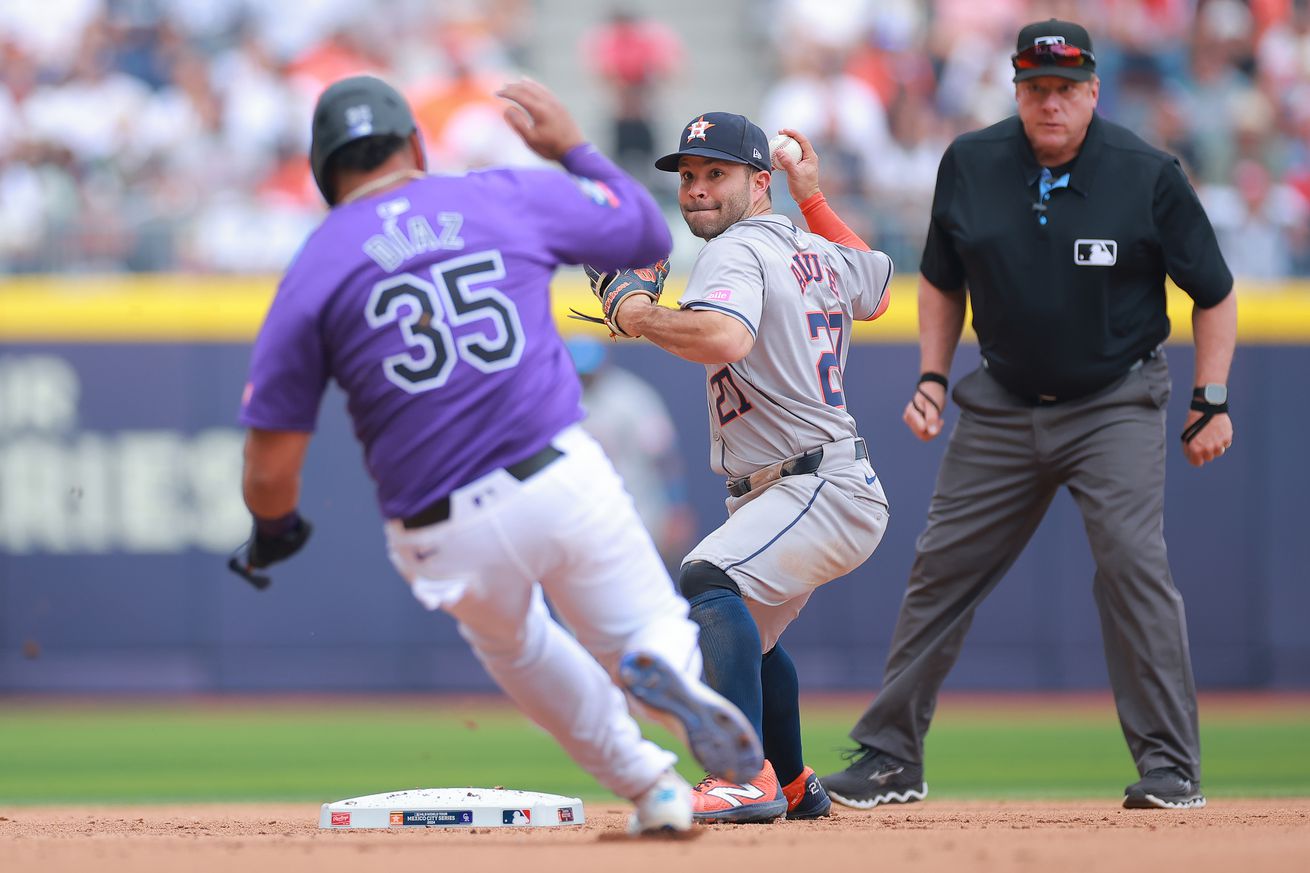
{"x": 1208, "y": 412}
{"x": 930, "y": 376}
{"x": 276, "y": 527}
{"x": 1209, "y": 408}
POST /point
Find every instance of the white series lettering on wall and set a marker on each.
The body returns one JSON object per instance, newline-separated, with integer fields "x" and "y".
{"x": 66, "y": 489}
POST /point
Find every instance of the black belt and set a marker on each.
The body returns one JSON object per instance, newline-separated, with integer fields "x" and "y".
{"x": 1054, "y": 400}
{"x": 439, "y": 510}
{"x": 806, "y": 463}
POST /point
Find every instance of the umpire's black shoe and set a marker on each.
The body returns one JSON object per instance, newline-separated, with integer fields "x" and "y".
{"x": 1164, "y": 788}
{"x": 874, "y": 777}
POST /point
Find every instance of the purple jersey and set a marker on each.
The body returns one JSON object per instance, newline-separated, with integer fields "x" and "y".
{"x": 429, "y": 304}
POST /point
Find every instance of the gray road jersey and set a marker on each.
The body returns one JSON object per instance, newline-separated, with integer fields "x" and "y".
{"x": 797, "y": 293}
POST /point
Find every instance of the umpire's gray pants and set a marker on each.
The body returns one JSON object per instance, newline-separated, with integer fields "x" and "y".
{"x": 1004, "y": 464}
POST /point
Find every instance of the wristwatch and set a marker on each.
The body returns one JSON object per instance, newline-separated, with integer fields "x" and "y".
{"x": 1211, "y": 394}
{"x": 1210, "y": 400}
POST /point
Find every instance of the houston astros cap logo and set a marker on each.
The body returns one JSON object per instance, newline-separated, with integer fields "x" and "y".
{"x": 696, "y": 130}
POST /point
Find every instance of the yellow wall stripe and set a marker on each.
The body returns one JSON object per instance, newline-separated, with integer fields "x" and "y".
{"x": 179, "y": 308}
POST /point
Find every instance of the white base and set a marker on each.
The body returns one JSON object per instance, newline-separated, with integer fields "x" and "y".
{"x": 453, "y": 807}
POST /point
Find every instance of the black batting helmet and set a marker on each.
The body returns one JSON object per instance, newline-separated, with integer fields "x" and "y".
{"x": 352, "y": 109}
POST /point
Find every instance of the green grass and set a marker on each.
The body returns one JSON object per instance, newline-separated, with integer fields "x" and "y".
{"x": 320, "y": 750}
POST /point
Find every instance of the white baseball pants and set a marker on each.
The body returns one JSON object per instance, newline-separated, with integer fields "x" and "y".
{"x": 572, "y": 531}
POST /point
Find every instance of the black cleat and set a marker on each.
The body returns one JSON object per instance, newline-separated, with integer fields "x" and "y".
{"x": 874, "y": 777}
{"x": 1164, "y": 788}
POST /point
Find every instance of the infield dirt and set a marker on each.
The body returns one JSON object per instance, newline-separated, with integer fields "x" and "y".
{"x": 1250, "y": 836}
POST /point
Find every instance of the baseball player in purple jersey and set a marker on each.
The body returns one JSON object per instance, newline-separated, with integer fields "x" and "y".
{"x": 768, "y": 309}
{"x": 426, "y": 297}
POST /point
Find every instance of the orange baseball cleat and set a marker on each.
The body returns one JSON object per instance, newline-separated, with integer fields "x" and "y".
{"x": 758, "y": 801}
{"x": 806, "y": 797}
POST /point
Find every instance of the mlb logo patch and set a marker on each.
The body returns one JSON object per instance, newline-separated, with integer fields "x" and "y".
{"x": 597, "y": 192}
{"x": 516, "y": 816}
{"x": 1095, "y": 252}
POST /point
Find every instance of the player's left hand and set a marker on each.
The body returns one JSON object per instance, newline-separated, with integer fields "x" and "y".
{"x": 614, "y": 289}
{"x": 262, "y": 550}
{"x": 802, "y": 175}
{"x": 1211, "y": 441}
{"x": 541, "y": 119}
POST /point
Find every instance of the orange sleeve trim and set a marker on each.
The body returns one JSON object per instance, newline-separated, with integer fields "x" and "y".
{"x": 882, "y": 304}
{"x": 822, "y": 220}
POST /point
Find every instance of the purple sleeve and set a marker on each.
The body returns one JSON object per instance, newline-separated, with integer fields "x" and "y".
{"x": 288, "y": 370}
{"x": 598, "y": 214}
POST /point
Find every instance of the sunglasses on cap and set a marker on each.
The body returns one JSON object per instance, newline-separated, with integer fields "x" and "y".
{"x": 1057, "y": 54}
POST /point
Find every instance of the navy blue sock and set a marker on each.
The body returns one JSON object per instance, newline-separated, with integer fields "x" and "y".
{"x": 782, "y": 715}
{"x": 730, "y": 647}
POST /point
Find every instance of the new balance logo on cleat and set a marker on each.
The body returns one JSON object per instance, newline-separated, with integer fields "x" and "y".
{"x": 735, "y": 794}
{"x": 759, "y": 801}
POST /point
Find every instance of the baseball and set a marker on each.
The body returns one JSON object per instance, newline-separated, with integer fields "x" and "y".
{"x": 786, "y": 144}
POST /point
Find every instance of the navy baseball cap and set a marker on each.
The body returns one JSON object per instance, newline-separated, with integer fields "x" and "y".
{"x": 1053, "y": 48}
{"x": 724, "y": 136}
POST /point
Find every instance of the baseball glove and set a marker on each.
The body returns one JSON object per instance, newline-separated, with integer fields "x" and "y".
{"x": 611, "y": 289}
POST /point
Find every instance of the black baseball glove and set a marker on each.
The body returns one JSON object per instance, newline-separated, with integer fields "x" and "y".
{"x": 613, "y": 288}
{"x": 263, "y": 549}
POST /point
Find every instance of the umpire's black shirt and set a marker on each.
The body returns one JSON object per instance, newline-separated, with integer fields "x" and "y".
{"x": 1066, "y": 307}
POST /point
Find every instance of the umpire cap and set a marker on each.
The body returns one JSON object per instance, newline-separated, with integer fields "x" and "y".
{"x": 352, "y": 109}
{"x": 1053, "y": 48}
{"x": 724, "y": 136}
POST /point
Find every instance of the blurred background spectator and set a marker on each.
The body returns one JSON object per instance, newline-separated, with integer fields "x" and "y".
{"x": 633, "y": 55}
{"x": 629, "y": 419}
{"x": 169, "y": 135}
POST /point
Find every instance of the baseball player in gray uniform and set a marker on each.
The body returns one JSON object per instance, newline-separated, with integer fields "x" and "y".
{"x": 768, "y": 310}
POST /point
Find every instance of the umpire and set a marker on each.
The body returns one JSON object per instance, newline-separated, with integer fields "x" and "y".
{"x": 1060, "y": 227}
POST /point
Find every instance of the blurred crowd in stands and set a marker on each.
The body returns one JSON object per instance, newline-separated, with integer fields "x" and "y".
{"x": 143, "y": 135}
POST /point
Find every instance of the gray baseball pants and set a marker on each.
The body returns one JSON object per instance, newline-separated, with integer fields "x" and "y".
{"x": 1003, "y": 465}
